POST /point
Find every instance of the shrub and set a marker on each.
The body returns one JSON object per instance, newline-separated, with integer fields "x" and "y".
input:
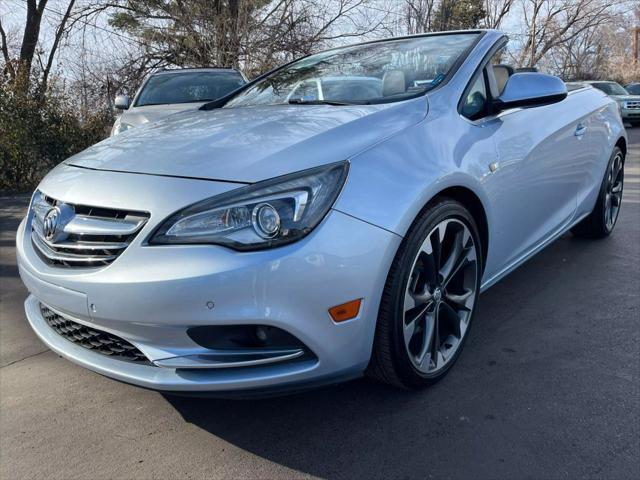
{"x": 37, "y": 134}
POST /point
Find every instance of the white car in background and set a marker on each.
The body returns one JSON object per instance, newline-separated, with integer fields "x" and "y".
{"x": 171, "y": 91}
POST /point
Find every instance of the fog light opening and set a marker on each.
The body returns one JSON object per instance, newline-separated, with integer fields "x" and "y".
{"x": 234, "y": 337}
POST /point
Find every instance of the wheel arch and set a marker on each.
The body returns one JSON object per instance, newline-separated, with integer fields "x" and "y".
{"x": 622, "y": 145}
{"x": 472, "y": 202}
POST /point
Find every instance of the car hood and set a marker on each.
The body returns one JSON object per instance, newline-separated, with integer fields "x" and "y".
{"x": 136, "y": 116}
{"x": 249, "y": 144}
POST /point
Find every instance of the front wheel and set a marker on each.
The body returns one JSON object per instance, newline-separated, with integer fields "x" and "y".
{"x": 603, "y": 218}
{"x": 429, "y": 298}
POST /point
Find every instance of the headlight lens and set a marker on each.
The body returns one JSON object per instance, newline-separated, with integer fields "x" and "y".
{"x": 120, "y": 127}
{"x": 263, "y": 215}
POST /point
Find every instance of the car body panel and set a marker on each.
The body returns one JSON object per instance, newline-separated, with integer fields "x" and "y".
{"x": 137, "y": 116}
{"x": 250, "y": 144}
{"x": 605, "y": 130}
{"x": 533, "y": 172}
{"x": 540, "y": 167}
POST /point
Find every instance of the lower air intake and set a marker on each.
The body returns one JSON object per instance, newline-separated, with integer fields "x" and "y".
{"x": 92, "y": 339}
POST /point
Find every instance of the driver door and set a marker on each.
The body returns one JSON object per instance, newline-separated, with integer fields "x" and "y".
{"x": 535, "y": 182}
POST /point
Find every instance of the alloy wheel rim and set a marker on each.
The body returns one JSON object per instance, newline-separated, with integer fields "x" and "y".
{"x": 613, "y": 192}
{"x": 440, "y": 296}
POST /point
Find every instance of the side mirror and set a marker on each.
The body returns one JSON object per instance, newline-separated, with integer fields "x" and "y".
{"x": 122, "y": 102}
{"x": 530, "y": 90}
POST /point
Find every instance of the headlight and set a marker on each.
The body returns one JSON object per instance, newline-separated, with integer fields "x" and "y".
{"x": 120, "y": 127}
{"x": 258, "y": 216}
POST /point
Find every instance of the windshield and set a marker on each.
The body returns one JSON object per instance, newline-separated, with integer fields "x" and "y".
{"x": 185, "y": 87}
{"x": 367, "y": 73}
{"x": 633, "y": 89}
{"x": 611, "y": 88}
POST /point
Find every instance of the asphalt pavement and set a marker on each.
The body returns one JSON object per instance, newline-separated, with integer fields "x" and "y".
{"x": 548, "y": 387}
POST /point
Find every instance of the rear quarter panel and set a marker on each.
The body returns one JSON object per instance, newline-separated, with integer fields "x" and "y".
{"x": 605, "y": 129}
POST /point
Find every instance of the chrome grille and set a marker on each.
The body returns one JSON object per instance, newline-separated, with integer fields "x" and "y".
{"x": 633, "y": 104}
{"x": 91, "y": 338}
{"x": 80, "y": 235}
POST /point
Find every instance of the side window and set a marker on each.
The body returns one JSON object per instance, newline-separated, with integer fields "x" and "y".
{"x": 475, "y": 102}
{"x": 500, "y": 71}
{"x": 499, "y": 56}
{"x": 488, "y": 84}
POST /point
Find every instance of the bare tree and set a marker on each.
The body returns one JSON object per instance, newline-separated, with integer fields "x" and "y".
{"x": 496, "y": 11}
{"x": 7, "y": 68}
{"x": 599, "y": 52}
{"x": 551, "y": 23}
{"x": 580, "y": 58}
{"x": 21, "y": 69}
{"x": 56, "y": 42}
{"x": 35, "y": 9}
{"x": 429, "y": 15}
{"x": 254, "y": 34}
{"x": 419, "y": 15}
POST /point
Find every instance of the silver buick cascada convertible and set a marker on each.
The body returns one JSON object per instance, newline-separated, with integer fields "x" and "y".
{"x": 337, "y": 216}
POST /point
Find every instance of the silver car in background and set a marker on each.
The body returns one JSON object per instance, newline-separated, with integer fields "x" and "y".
{"x": 284, "y": 237}
{"x": 628, "y": 103}
{"x": 170, "y": 91}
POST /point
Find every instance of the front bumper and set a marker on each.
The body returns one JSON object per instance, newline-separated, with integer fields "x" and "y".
{"x": 150, "y": 296}
{"x": 630, "y": 115}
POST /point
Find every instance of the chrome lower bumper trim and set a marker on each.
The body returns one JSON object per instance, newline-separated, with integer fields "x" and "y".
{"x": 229, "y": 359}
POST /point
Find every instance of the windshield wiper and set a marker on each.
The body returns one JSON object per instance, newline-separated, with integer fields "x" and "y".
{"x": 300, "y": 101}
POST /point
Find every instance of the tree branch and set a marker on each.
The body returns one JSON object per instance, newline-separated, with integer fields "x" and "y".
{"x": 8, "y": 66}
{"x": 56, "y": 41}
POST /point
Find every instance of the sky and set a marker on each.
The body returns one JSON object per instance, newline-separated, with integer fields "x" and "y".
{"x": 100, "y": 43}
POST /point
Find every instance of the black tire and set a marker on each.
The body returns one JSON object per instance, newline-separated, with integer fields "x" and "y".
{"x": 596, "y": 224}
{"x": 390, "y": 361}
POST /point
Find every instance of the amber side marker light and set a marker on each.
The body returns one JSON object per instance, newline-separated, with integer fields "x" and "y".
{"x": 346, "y": 311}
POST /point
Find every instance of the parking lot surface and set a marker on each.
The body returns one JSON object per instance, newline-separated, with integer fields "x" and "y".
{"x": 548, "y": 387}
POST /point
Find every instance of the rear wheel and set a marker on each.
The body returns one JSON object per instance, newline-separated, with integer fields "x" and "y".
{"x": 429, "y": 298}
{"x": 602, "y": 220}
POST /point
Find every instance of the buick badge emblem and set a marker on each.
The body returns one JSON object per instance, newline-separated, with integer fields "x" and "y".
{"x": 50, "y": 224}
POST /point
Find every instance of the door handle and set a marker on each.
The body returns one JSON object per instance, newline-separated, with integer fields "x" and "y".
{"x": 581, "y": 129}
